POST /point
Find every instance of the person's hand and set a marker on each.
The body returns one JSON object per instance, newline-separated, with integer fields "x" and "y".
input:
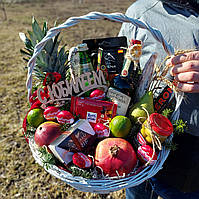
{"x": 186, "y": 71}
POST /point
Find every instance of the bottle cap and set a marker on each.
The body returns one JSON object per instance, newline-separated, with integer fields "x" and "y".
{"x": 133, "y": 41}
{"x": 82, "y": 47}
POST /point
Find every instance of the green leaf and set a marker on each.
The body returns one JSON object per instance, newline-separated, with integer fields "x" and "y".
{"x": 76, "y": 171}
{"x": 25, "y": 52}
{"x": 37, "y": 30}
{"x": 47, "y": 158}
{"x": 45, "y": 28}
{"x": 48, "y": 46}
{"x": 50, "y": 59}
{"x": 26, "y": 60}
{"x": 33, "y": 39}
{"x": 29, "y": 50}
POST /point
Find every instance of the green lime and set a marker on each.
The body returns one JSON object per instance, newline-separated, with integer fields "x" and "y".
{"x": 35, "y": 117}
{"x": 120, "y": 126}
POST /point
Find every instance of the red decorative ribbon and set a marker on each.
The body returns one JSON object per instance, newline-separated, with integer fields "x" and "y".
{"x": 55, "y": 76}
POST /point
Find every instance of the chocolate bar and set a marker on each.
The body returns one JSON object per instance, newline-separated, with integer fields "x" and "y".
{"x": 95, "y": 111}
{"x": 78, "y": 137}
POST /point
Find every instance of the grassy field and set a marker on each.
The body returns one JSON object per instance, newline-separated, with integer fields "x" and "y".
{"x": 20, "y": 176}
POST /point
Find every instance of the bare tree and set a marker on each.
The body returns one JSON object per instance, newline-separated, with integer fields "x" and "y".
{"x": 2, "y": 7}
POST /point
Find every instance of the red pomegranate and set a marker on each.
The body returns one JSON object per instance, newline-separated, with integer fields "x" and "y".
{"x": 115, "y": 155}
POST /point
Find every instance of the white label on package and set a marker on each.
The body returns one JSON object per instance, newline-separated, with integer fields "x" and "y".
{"x": 120, "y": 99}
{"x": 91, "y": 117}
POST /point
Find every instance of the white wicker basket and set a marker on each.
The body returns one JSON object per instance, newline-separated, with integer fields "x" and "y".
{"x": 95, "y": 185}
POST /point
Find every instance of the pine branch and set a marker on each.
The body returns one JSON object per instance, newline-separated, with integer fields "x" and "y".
{"x": 76, "y": 171}
{"x": 30, "y": 131}
{"x": 48, "y": 159}
{"x": 167, "y": 112}
{"x": 180, "y": 127}
{"x": 171, "y": 146}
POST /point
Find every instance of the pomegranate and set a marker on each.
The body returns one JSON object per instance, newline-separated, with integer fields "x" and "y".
{"x": 115, "y": 155}
{"x": 47, "y": 132}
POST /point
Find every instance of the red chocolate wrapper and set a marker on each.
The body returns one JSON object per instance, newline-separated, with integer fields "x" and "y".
{"x": 50, "y": 113}
{"x": 97, "y": 94}
{"x": 65, "y": 117}
{"x": 95, "y": 111}
{"x": 145, "y": 153}
{"x": 141, "y": 139}
{"x": 101, "y": 130}
{"x": 81, "y": 160}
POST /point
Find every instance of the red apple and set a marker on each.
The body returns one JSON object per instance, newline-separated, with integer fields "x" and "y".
{"x": 47, "y": 132}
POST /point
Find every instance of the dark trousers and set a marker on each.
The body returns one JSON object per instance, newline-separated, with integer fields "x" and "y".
{"x": 154, "y": 188}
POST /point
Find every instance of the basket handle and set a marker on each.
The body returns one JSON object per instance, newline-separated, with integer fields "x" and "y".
{"x": 116, "y": 17}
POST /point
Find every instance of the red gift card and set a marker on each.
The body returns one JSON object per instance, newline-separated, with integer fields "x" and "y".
{"x": 95, "y": 111}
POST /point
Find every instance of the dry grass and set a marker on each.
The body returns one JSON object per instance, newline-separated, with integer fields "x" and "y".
{"x": 20, "y": 176}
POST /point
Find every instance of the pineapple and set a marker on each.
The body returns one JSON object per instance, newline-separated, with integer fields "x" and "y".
{"x": 51, "y": 59}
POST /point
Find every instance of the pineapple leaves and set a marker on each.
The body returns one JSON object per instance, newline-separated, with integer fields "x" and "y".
{"x": 51, "y": 59}
{"x": 25, "y": 52}
{"x": 38, "y": 33}
{"x": 45, "y": 28}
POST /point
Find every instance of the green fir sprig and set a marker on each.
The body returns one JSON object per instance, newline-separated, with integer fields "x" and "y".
{"x": 179, "y": 127}
{"x": 66, "y": 106}
{"x": 76, "y": 171}
{"x": 170, "y": 145}
{"x": 48, "y": 159}
{"x": 30, "y": 131}
{"x": 167, "y": 112}
{"x": 65, "y": 127}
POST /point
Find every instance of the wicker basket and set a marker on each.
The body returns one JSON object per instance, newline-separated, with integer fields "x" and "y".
{"x": 96, "y": 185}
